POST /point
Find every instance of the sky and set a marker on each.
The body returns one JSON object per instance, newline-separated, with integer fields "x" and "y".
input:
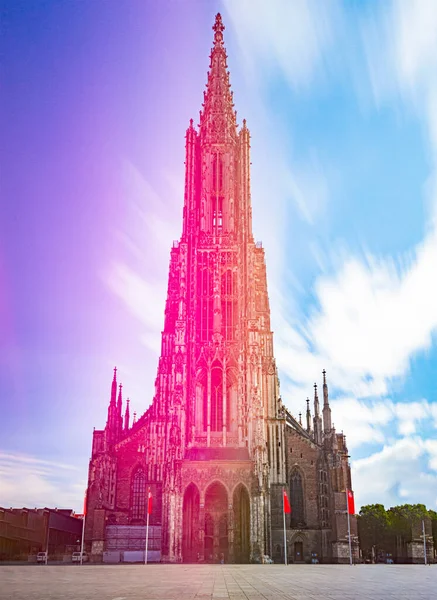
{"x": 341, "y": 102}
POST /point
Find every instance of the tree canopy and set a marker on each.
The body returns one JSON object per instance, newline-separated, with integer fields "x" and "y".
{"x": 379, "y": 528}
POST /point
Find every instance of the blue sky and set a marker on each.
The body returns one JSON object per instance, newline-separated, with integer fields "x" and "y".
{"x": 341, "y": 101}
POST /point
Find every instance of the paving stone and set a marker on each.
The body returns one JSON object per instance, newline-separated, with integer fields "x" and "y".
{"x": 213, "y": 582}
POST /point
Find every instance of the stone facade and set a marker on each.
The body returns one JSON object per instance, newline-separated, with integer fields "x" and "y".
{"x": 217, "y": 445}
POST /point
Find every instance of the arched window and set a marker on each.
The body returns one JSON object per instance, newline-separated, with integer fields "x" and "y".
{"x": 229, "y": 304}
{"x": 138, "y": 495}
{"x": 216, "y": 399}
{"x": 214, "y": 172}
{"x": 205, "y": 298}
{"x": 217, "y": 172}
{"x": 297, "y": 501}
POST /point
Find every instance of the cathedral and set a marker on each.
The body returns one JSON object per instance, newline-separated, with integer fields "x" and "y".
{"x": 217, "y": 446}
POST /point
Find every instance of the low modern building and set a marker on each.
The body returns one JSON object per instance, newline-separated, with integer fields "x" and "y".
{"x": 27, "y": 531}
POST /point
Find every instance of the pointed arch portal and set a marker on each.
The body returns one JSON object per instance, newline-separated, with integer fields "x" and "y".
{"x": 216, "y": 523}
{"x": 241, "y": 504}
{"x": 190, "y": 525}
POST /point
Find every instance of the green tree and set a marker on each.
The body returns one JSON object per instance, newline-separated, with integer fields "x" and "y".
{"x": 373, "y": 528}
{"x": 403, "y": 518}
{"x": 433, "y": 516}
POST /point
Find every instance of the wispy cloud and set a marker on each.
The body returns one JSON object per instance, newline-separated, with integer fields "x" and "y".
{"x": 34, "y": 482}
{"x": 138, "y": 275}
{"x": 288, "y": 38}
{"x": 371, "y": 319}
{"x": 396, "y": 473}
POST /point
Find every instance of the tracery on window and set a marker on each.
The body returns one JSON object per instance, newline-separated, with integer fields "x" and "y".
{"x": 138, "y": 495}
{"x": 205, "y": 298}
{"x": 216, "y": 398}
{"x": 297, "y": 499}
{"x": 229, "y": 304}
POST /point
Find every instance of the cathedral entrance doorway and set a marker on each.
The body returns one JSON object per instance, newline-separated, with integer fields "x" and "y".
{"x": 216, "y": 523}
{"x": 190, "y": 530}
{"x": 298, "y": 551}
{"x": 241, "y": 505}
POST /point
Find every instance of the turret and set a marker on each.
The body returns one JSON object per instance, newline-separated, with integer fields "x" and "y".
{"x": 317, "y": 420}
{"x": 126, "y": 416}
{"x": 326, "y": 409}
{"x": 308, "y": 416}
{"x": 112, "y": 421}
{"x": 119, "y": 412}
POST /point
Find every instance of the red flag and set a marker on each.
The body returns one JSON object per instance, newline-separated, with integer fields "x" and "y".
{"x": 149, "y": 504}
{"x": 350, "y": 502}
{"x": 287, "y": 507}
{"x": 84, "y": 505}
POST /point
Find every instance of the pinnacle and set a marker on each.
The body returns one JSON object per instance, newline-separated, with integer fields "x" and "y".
{"x": 217, "y": 119}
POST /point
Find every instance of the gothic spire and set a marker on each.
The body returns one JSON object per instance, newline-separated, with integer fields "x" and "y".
{"x": 111, "y": 423}
{"x": 218, "y": 118}
{"x": 114, "y": 387}
{"x": 308, "y": 416}
{"x": 317, "y": 419}
{"x": 326, "y": 407}
{"x": 316, "y": 402}
{"x": 120, "y": 408}
{"x": 126, "y": 416}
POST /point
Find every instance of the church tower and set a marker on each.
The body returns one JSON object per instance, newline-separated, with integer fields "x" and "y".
{"x": 217, "y": 379}
{"x": 216, "y": 447}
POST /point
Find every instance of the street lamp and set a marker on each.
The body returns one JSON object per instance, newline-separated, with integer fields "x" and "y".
{"x": 424, "y": 536}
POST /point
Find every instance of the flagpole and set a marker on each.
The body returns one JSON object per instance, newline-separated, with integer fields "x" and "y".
{"x": 285, "y": 535}
{"x": 83, "y": 539}
{"x": 349, "y": 528}
{"x": 147, "y": 527}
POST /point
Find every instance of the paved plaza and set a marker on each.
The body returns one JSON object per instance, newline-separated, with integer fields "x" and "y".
{"x": 239, "y": 582}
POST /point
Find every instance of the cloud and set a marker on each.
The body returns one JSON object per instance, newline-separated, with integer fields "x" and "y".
{"x": 401, "y": 48}
{"x": 287, "y": 44}
{"x": 137, "y": 275}
{"x": 373, "y": 314}
{"x": 29, "y": 481}
{"x": 291, "y": 38}
{"x": 370, "y": 318}
{"x": 397, "y": 471}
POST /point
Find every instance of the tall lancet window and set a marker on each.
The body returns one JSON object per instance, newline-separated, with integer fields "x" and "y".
{"x": 217, "y": 173}
{"x": 216, "y": 399}
{"x": 229, "y": 304}
{"x": 217, "y": 213}
{"x": 216, "y": 192}
{"x": 296, "y": 497}
{"x": 205, "y": 298}
{"x": 138, "y": 495}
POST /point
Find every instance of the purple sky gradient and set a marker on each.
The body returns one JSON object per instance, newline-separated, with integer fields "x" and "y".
{"x": 84, "y": 91}
{"x": 95, "y": 99}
